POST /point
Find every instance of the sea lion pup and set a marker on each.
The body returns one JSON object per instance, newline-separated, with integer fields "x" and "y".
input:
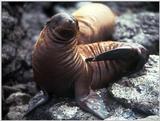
{"x": 61, "y": 66}
{"x": 96, "y": 22}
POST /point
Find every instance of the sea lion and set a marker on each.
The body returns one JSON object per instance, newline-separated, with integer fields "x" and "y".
{"x": 61, "y": 65}
{"x": 96, "y": 23}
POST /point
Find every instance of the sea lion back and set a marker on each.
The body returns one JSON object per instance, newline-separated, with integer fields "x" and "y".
{"x": 96, "y": 22}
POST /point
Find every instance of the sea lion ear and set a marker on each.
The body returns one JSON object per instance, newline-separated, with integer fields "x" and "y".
{"x": 119, "y": 53}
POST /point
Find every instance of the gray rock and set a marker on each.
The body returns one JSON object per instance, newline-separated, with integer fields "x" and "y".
{"x": 18, "y": 98}
{"x": 13, "y": 37}
{"x": 20, "y": 32}
{"x": 134, "y": 7}
{"x": 8, "y": 90}
{"x": 17, "y": 45}
{"x": 29, "y": 88}
{"x": 121, "y": 113}
{"x": 140, "y": 91}
{"x": 11, "y": 31}
{"x": 57, "y": 108}
{"x": 9, "y": 23}
{"x": 8, "y": 53}
{"x": 16, "y": 112}
{"x": 150, "y": 118}
{"x": 142, "y": 28}
{"x": 66, "y": 108}
{"x": 33, "y": 20}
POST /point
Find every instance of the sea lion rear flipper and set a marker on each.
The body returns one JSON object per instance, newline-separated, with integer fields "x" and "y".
{"x": 119, "y": 53}
{"x": 39, "y": 99}
{"x": 94, "y": 104}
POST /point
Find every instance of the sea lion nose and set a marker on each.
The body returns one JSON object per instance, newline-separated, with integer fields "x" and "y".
{"x": 70, "y": 21}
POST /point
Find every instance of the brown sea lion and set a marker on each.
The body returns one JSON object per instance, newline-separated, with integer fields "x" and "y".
{"x": 61, "y": 66}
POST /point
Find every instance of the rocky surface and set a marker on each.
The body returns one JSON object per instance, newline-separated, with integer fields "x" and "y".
{"x": 17, "y": 103}
{"x": 150, "y": 118}
{"x": 17, "y": 44}
{"x": 121, "y": 8}
{"x": 16, "y": 112}
{"x": 21, "y": 24}
{"x": 142, "y": 28}
{"x": 138, "y": 94}
{"x": 140, "y": 91}
{"x": 66, "y": 108}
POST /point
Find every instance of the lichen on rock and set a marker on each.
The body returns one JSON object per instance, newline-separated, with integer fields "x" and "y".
{"x": 142, "y": 28}
{"x": 140, "y": 91}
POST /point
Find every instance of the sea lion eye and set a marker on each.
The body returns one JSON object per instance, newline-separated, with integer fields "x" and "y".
{"x": 54, "y": 21}
{"x": 58, "y": 19}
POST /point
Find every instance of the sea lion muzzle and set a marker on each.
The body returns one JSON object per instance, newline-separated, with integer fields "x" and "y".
{"x": 63, "y": 25}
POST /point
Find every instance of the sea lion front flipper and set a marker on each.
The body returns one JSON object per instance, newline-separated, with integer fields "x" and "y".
{"x": 94, "y": 104}
{"x": 118, "y": 53}
{"x": 39, "y": 99}
{"x": 88, "y": 100}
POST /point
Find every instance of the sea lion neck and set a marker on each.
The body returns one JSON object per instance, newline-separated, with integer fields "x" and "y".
{"x": 58, "y": 42}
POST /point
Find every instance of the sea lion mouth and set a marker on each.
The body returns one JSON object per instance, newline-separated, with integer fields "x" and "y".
{"x": 67, "y": 33}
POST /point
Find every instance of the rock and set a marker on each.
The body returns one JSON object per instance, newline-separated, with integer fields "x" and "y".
{"x": 29, "y": 88}
{"x": 16, "y": 112}
{"x": 121, "y": 113}
{"x": 7, "y": 90}
{"x": 8, "y": 53}
{"x": 66, "y": 108}
{"x": 18, "y": 98}
{"x": 13, "y": 8}
{"x": 150, "y": 118}
{"x": 21, "y": 87}
{"x": 140, "y": 91}
{"x": 120, "y": 8}
{"x": 142, "y": 28}
{"x": 11, "y": 31}
{"x": 14, "y": 105}
{"x": 5, "y": 108}
{"x": 33, "y": 20}
{"x": 13, "y": 34}
{"x": 8, "y": 23}
{"x": 56, "y": 108}
{"x": 11, "y": 15}
{"x": 16, "y": 95}
{"x": 19, "y": 35}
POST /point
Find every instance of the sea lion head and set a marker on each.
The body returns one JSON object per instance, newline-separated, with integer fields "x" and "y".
{"x": 63, "y": 26}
